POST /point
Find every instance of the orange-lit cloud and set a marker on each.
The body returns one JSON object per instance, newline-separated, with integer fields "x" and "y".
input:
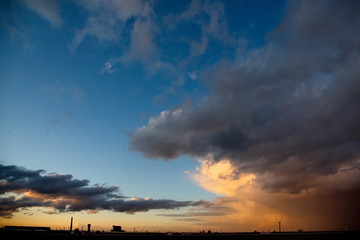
{"x": 327, "y": 205}
{"x": 279, "y": 127}
{"x": 22, "y": 188}
{"x": 239, "y": 194}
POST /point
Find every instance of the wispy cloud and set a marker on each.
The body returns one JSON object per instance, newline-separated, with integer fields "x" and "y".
{"x": 59, "y": 92}
{"x": 106, "y": 20}
{"x": 22, "y": 188}
{"x": 107, "y": 68}
{"x": 210, "y": 17}
{"x": 142, "y": 48}
{"x": 48, "y": 10}
{"x": 140, "y": 34}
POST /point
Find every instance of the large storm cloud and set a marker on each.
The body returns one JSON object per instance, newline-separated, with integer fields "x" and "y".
{"x": 22, "y": 188}
{"x": 289, "y": 109}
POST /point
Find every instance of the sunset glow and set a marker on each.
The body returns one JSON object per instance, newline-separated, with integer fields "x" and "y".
{"x": 189, "y": 116}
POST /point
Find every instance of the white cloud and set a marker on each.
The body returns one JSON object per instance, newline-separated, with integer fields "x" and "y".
{"x": 107, "y": 68}
{"x": 48, "y": 10}
{"x": 110, "y": 20}
{"x": 210, "y": 17}
{"x": 141, "y": 46}
{"x": 135, "y": 26}
{"x": 106, "y": 19}
{"x": 193, "y": 75}
{"x": 199, "y": 47}
{"x": 126, "y": 9}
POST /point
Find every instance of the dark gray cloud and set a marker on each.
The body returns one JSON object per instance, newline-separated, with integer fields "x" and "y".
{"x": 294, "y": 100}
{"x": 21, "y": 188}
{"x": 13, "y": 173}
{"x": 9, "y": 205}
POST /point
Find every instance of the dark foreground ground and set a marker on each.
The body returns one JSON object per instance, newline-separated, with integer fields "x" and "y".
{"x": 52, "y": 235}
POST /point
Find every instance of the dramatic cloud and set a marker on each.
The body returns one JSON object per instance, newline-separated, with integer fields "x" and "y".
{"x": 286, "y": 112}
{"x": 294, "y": 100}
{"x": 22, "y": 188}
{"x": 330, "y": 204}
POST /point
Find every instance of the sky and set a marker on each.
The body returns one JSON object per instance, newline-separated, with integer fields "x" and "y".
{"x": 180, "y": 115}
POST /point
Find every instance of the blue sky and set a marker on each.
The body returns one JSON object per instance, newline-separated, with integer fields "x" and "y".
{"x": 66, "y": 110}
{"x": 73, "y": 90}
{"x": 221, "y": 101}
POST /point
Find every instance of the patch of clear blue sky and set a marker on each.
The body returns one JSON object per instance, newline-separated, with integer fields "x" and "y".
{"x": 60, "y": 113}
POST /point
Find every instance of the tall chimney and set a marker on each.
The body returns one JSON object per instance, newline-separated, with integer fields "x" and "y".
{"x": 279, "y": 226}
{"x": 71, "y": 224}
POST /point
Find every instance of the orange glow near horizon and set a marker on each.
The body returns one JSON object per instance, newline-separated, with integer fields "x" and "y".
{"x": 254, "y": 208}
{"x": 242, "y": 205}
{"x": 239, "y": 193}
{"x": 102, "y": 220}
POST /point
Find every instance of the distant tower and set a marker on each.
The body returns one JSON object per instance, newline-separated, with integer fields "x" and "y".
{"x": 89, "y": 226}
{"x": 279, "y": 226}
{"x": 71, "y": 221}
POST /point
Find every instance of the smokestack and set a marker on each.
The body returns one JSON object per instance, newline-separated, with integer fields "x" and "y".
{"x": 71, "y": 224}
{"x": 279, "y": 226}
